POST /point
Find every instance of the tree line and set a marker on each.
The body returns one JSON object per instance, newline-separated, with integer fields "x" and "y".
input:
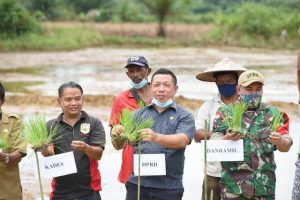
{"x": 262, "y": 17}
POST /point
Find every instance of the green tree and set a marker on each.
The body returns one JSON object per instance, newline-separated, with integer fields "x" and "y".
{"x": 15, "y": 20}
{"x": 84, "y": 5}
{"x": 161, "y": 9}
{"x": 52, "y": 9}
{"x": 107, "y": 10}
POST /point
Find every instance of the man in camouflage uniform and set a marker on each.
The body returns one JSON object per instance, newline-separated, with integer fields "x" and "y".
{"x": 253, "y": 178}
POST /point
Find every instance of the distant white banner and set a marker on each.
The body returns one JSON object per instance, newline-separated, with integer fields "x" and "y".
{"x": 58, "y": 165}
{"x": 225, "y": 150}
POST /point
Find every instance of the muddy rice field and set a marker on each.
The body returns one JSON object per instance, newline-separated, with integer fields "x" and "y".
{"x": 32, "y": 80}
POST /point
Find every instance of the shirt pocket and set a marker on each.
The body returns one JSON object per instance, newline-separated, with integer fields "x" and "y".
{"x": 168, "y": 127}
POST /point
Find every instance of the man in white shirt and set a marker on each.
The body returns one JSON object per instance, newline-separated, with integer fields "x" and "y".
{"x": 225, "y": 74}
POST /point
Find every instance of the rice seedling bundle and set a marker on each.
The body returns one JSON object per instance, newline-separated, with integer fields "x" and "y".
{"x": 234, "y": 115}
{"x": 4, "y": 144}
{"x": 276, "y": 121}
{"x": 36, "y": 132}
{"x": 132, "y": 126}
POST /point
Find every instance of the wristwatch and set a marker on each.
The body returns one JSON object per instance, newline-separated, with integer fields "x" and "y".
{"x": 6, "y": 161}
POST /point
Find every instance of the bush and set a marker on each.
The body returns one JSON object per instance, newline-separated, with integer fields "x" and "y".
{"x": 259, "y": 21}
{"x": 15, "y": 20}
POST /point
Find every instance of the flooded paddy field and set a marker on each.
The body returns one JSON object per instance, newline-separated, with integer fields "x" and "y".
{"x": 32, "y": 79}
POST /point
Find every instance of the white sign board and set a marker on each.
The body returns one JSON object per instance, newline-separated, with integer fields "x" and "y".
{"x": 225, "y": 150}
{"x": 150, "y": 164}
{"x": 58, "y": 165}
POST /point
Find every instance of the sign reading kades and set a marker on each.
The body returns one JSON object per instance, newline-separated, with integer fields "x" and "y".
{"x": 225, "y": 150}
{"x": 58, "y": 165}
{"x": 150, "y": 164}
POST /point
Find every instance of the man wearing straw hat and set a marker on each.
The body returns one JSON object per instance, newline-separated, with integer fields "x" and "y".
{"x": 254, "y": 177}
{"x": 10, "y": 156}
{"x": 225, "y": 74}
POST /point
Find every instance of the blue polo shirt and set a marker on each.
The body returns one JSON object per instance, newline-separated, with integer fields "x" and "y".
{"x": 171, "y": 121}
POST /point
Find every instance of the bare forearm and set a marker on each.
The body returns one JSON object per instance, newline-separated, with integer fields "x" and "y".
{"x": 284, "y": 145}
{"x": 177, "y": 141}
{"x": 200, "y": 135}
{"x": 93, "y": 152}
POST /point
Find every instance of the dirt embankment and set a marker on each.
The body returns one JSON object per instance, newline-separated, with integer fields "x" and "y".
{"x": 90, "y": 100}
{"x": 106, "y": 101}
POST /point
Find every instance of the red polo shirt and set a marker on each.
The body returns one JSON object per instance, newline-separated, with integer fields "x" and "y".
{"x": 124, "y": 100}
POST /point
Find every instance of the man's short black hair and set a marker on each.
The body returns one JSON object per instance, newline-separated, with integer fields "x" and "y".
{"x": 70, "y": 84}
{"x": 2, "y": 92}
{"x": 167, "y": 72}
{"x": 234, "y": 73}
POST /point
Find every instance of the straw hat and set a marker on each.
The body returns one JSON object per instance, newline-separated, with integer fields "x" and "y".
{"x": 224, "y": 65}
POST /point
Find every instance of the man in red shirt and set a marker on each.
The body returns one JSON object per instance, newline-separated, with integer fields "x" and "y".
{"x": 138, "y": 71}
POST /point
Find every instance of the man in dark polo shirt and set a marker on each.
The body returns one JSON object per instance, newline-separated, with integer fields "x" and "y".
{"x": 172, "y": 131}
{"x": 82, "y": 134}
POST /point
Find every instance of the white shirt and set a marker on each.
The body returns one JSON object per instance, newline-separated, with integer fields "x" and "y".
{"x": 208, "y": 112}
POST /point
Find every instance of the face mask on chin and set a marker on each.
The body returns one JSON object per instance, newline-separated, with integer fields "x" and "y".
{"x": 227, "y": 90}
{"x": 164, "y": 104}
{"x": 138, "y": 85}
{"x": 252, "y": 100}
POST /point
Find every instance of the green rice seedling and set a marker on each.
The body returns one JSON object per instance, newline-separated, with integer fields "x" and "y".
{"x": 120, "y": 139}
{"x": 36, "y": 132}
{"x": 131, "y": 126}
{"x": 4, "y": 144}
{"x": 141, "y": 104}
{"x": 233, "y": 116}
{"x": 131, "y": 133}
{"x": 276, "y": 121}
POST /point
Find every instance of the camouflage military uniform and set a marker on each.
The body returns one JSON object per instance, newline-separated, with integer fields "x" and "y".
{"x": 255, "y": 176}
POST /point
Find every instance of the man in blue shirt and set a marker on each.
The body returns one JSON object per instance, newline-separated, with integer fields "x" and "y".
{"x": 172, "y": 131}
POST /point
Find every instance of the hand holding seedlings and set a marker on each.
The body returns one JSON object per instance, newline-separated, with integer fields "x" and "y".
{"x": 47, "y": 150}
{"x": 275, "y": 138}
{"x": 79, "y": 145}
{"x": 148, "y": 135}
{"x": 117, "y": 130}
{"x": 232, "y": 135}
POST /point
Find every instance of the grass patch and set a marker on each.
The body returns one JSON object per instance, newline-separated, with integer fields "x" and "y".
{"x": 70, "y": 36}
{"x": 54, "y": 39}
{"x": 20, "y": 86}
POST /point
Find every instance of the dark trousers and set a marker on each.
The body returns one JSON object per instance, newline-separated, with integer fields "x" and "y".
{"x": 152, "y": 193}
{"x": 213, "y": 188}
{"x": 94, "y": 196}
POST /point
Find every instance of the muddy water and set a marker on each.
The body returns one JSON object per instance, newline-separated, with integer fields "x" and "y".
{"x": 100, "y": 71}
